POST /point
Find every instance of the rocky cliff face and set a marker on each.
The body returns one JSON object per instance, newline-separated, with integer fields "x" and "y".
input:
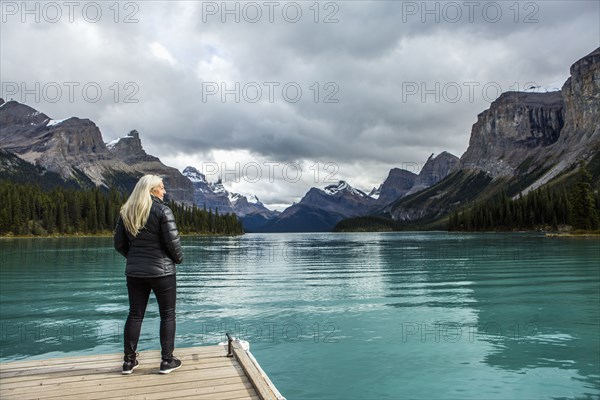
{"x": 524, "y": 132}
{"x": 250, "y": 205}
{"x": 582, "y": 98}
{"x": 516, "y": 126}
{"x": 214, "y": 196}
{"x": 20, "y": 124}
{"x": 14, "y": 169}
{"x": 73, "y": 148}
{"x": 396, "y": 185}
{"x": 520, "y": 143}
{"x": 129, "y": 150}
{"x": 401, "y": 182}
{"x": 434, "y": 170}
{"x": 580, "y": 137}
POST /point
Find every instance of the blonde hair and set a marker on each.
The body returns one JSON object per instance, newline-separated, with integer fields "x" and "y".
{"x": 136, "y": 209}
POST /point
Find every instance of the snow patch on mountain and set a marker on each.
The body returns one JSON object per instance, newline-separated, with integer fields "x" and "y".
{"x": 251, "y": 198}
{"x": 375, "y": 192}
{"x": 215, "y": 196}
{"x": 112, "y": 143}
{"x": 343, "y": 186}
{"x": 218, "y": 187}
{"x": 194, "y": 175}
{"x": 53, "y": 122}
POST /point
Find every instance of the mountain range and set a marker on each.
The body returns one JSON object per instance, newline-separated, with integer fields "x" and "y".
{"x": 523, "y": 141}
{"x": 71, "y": 153}
{"x": 321, "y": 209}
{"x": 214, "y": 196}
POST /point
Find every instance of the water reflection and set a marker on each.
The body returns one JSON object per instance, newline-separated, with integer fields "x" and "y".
{"x": 542, "y": 313}
{"x": 51, "y": 294}
{"x": 337, "y": 315}
{"x": 523, "y": 303}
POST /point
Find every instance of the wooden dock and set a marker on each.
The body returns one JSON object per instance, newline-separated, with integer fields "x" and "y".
{"x": 206, "y": 373}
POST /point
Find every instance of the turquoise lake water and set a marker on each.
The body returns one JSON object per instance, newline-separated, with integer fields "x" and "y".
{"x": 337, "y": 316}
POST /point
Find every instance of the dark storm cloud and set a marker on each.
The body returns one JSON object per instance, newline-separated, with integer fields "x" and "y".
{"x": 368, "y": 63}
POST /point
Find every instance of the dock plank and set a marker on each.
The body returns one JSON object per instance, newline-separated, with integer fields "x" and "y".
{"x": 206, "y": 373}
{"x": 72, "y": 376}
{"x": 147, "y": 379}
{"x": 96, "y": 359}
{"x": 78, "y": 368}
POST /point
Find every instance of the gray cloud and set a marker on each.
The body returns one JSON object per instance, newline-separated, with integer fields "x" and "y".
{"x": 370, "y": 61}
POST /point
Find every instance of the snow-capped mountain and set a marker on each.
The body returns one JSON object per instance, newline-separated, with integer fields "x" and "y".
{"x": 194, "y": 175}
{"x": 206, "y": 195}
{"x": 320, "y": 209}
{"x": 342, "y": 186}
{"x": 214, "y": 196}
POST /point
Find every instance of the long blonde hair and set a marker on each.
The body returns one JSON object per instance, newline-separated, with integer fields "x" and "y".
{"x": 136, "y": 209}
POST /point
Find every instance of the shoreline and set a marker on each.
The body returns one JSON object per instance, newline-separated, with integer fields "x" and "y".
{"x": 106, "y": 235}
{"x": 595, "y": 235}
{"x": 582, "y": 234}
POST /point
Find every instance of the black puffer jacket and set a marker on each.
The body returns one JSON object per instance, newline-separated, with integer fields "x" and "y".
{"x": 156, "y": 248}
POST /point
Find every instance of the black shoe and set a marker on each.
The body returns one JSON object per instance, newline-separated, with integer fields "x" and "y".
{"x": 129, "y": 366}
{"x": 167, "y": 366}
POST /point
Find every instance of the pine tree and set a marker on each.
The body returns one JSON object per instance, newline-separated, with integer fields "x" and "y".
{"x": 585, "y": 215}
{"x": 29, "y": 210}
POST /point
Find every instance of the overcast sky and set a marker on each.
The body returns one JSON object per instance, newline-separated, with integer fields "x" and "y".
{"x": 291, "y": 94}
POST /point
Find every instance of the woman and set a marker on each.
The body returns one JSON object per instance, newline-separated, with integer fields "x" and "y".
{"x": 147, "y": 236}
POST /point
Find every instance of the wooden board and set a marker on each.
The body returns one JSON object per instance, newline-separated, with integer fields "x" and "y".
{"x": 206, "y": 373}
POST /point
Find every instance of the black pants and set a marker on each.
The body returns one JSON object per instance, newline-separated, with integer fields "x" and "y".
{"x": 164, "y": 289}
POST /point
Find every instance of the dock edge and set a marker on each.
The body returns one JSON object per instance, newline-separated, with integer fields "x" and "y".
{"x": 260, "y": 380}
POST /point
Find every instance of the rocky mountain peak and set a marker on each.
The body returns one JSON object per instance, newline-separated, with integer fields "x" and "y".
{"x": 218, "y": 186}
{"x": 528, "y": 139}
{"x": 17, "y": 119}
{"x": 194, "y": 175}
{"x": 434, "y": 170}
{"x": 342, "y": 187}
{"x": 320, "y": 209}
{"x": 129, "y": 149}
{"x": 214, "y": 196}
{"x": 72, "y": 148}
{"x": 523, "y": 131}
{"x": 516, "y": 125}
{"x": 437, "y": 168}
{"x": 375, "y": 192}
{"x": 239, "y": 198}
{"x": 397, "y": 184}
{"x": 336, "y": 187}
{"x": 581, "y": 66}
